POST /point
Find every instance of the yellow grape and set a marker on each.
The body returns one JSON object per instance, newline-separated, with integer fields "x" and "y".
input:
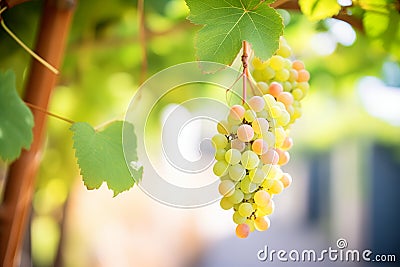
{"x": 222, "y": 127}
{"x": 276, "y": 63}
{"x": 286, "y": 180}
{"x": 262, "y": 198}
{"x": 297, "y": 65}
{"x": 260, "y": 125}
{"x": 276, "y": 188}
{"x": 225, "y": 203}
{"x": 262, "y": 223}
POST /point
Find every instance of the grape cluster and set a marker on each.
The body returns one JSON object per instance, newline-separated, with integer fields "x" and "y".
{"x": 253, "y": 143}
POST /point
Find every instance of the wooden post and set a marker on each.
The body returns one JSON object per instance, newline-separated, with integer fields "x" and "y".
{"x": 20, "y": 183}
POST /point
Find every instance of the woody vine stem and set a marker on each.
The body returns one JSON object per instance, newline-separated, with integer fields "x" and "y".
{"x": 245, "y": 57}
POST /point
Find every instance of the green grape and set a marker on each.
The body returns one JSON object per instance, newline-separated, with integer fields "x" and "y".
{"x": 250, "y": 115}
{"x": 287, "y": 86}
{"x": 282, "y": 75}
{"x": 269, "y": 139}
{"x": 237, "y": 218}
{"x": 225, "y": 177}
{"x": 236, "y": 197}
{"x": 245, "y": 209}
{"x": 250, "y": 223}
{"x": 222, "y": 127}
{"x": 297, "y": 94}
{"x": 236, "y": 172}
{"x": 284, "y": 119}
{"x": 225, "y": 203}
{"x": 219, "y": 141}
{"x": 220, "y": 168}
{"x": 233, "y": 128}
{"x": 248, "y": 195}
{"x": 257, "y": 175}
{"x": 226, "y": 188}
{"x": 262, "y": 114}
{"x": 233, "y": 121}
{"x": 233, "y": 156}
{"x": 247, "y": 186}
{"x": 275, "y": 111}
{"x": 220, "y": 154}
{"x": 263, "y": 87}
{"x": 269, "y": 99}
{"x": 249, "y": 160}
{"x": 260, "y": 125}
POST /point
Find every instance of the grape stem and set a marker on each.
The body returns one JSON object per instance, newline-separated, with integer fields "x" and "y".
{"x": 26, "y": 48}
{"x": 245, "y": 57}
{"x": 48, "y": 113}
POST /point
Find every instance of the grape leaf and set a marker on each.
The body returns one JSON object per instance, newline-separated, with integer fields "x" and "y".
{"x": 16, "y": 119}
{"x": 228, "y": 23}
{"x": 319, "y": 9}
{"x": 101, "y": 157}
{"x": 375, "y": 23}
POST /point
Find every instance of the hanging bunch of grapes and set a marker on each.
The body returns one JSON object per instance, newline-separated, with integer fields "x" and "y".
{"x": 253, "y": 142}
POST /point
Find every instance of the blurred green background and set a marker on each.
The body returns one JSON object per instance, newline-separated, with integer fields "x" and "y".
{"x": 345, "y": 162}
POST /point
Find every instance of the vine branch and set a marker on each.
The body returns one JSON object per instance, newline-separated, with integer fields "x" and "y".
{"x": 142, "y": 40}
{"x": 245, "y": 64}
{"x": 293, "y": 5}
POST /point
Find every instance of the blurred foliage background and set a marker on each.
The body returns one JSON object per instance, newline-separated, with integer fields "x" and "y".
{"x": 343, "y": 119}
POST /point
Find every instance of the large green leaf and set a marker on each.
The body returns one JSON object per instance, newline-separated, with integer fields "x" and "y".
{"x": 375, "y": 23}
{"x": 319, "y": 9}
{"x": 16, "y": 119}
{"x": 101, "y": 157}
{"x": 228, "y": 23}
